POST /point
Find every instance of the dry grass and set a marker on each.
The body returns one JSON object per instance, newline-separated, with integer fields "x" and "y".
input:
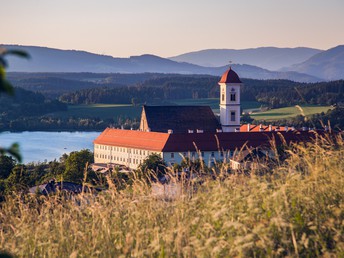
{"x": 297, "y": 210}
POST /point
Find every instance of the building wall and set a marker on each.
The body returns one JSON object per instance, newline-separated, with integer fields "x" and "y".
{"x": 132, "y": 158}
{"x": 209, "y": 157}
{"x": 129, "y": 157}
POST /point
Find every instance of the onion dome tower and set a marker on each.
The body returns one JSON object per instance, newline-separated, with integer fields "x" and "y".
{"x": 230, "y": 84}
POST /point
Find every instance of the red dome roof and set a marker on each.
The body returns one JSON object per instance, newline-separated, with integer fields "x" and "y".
{"x": 230, "y": 77}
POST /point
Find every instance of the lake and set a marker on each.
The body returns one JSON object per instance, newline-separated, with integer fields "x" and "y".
{"x": 47, "y": 146}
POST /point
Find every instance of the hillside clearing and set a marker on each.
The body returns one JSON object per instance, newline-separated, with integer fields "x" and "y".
{"x": 289, "y": 112}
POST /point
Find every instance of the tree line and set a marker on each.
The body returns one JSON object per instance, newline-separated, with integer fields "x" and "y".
{"x": 273, "y": 93}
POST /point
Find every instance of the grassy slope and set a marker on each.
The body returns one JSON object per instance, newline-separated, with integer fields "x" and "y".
{"x": 296, "y": 211}
{"x": 104, "y": 111}
{"x": 287, "y": 112}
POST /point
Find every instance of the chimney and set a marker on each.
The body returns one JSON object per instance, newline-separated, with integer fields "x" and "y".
{"x": 170, "y": 131}
{"x": 270, "y": 128}
{"x": 148, "y": 129}
{"x": 122, "y": 127}
{"x": 293, "y": 128}
{"x": 248, "y": 127}
{"x": 261, "y": 128}
{"x": 286, "y": 128}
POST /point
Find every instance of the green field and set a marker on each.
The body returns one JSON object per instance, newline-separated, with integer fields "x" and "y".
{"x": 106, "y": 111}
{"x": 288, "y": 112}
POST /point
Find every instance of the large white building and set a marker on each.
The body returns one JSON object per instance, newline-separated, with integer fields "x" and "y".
{"x": 175, "y": 132}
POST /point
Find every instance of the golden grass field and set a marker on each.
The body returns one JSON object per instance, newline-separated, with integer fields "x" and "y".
{"x": 296, "y": 210}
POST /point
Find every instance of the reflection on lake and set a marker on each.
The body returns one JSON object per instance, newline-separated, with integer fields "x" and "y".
{"x": 47, "y": 146}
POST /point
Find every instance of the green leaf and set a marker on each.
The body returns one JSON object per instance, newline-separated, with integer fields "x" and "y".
{"x": 20, "y": 53}
{"x": 15, "y": 152}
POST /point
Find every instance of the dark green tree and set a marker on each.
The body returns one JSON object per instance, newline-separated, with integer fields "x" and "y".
{"x": 7, "y": 163}
{"x": 153, "y": 163}
{"x": 76, "y": 164}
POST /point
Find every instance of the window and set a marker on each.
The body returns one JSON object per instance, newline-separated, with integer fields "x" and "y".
{"x": 172, "y": 155}
{"x": 202, "y": 153}
{"x": 233, "y": 97}
{"x": 232, "y": 115}
{"x": 212, "y": 154}
{"x": 223, "y": 97}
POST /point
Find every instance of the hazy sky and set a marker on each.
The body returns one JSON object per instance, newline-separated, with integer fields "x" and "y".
{"x": 123, "y": 28}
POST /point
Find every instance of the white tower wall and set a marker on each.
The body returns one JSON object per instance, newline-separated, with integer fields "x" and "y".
{"x": 230, "y": 106}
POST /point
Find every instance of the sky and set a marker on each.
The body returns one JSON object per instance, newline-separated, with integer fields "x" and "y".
{"x": 123, "y": 28}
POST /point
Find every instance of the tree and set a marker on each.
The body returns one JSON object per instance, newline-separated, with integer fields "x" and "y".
{"x": 6, "y": 87}
{"x": 76, "y": 164}
{"x": 7, "y": 163}
{"x": 153, "y": 163}
{"x": 246, "y": 118}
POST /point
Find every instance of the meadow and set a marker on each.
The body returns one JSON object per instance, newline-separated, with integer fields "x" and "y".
{"x": 115, "y": 111}
{"x": 289, "y": 112}
{"x": 108, "y": 111}
{"x": 295, "y": 209}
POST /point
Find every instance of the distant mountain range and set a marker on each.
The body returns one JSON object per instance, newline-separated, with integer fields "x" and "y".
{"x": 328, "y": 65}
{"x": 55, "y": 60}
{"x": 271, "y": 58}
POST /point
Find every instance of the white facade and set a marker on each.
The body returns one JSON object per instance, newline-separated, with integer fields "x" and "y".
{"x": 132, "y": 158}
{"x": 129, "y": 157}
{"x": 230, "y": 106}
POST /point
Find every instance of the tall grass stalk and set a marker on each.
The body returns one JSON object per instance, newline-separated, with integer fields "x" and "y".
{"x": 296, "y": 210}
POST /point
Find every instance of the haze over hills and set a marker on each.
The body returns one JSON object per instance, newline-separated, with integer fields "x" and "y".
{"x": 55, "y": 60}
{"x": 271, "y": 58}
{"x": 328, "y": 64}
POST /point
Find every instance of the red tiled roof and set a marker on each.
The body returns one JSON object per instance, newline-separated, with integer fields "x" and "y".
{"x": 132, "y": 139}
{"x": 231, "y": 140}
{"x": 230, "y": 77}
{"x": 207, "y": 141}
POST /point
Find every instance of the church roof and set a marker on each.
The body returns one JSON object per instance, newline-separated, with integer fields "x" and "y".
{"x": 180, "y": 119}
{"x": 230, "y": 77}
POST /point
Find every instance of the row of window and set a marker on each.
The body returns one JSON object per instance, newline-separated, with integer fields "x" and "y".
{"x": 232, "y": 97}
{"x": 118, "y": 159}
{"x": 122, "y": 149}
{"x": 192, "y": 154}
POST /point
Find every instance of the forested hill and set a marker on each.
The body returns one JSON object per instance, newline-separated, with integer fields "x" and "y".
{"x": 274, "y": 93}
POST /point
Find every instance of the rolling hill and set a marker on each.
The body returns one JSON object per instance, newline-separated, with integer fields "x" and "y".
{"x": 271, "y": 58}
{"x": 328, "y": 65}
{"x": 56, "y": 60}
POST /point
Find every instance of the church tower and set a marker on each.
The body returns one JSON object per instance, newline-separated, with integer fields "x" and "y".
{"x": 230, "y": 101}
